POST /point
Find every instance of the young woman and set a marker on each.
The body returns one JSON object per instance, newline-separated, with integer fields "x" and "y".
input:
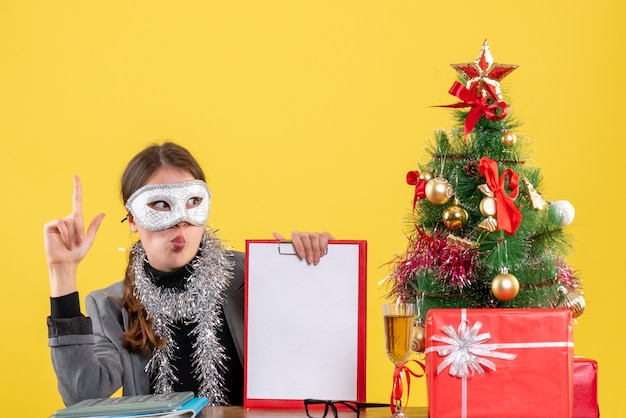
{"x": 175, "y": 322}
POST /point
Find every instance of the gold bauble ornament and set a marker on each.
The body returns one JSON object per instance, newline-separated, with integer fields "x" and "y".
{"x": 488, "y": 206}
{"x": 505, "y": 286}
{"x": 418, "y": 343}
{"x": 438, "y": 190}
{"x": 575, "y": 302}
{"x": 426, "y": 175}
{"x": 454, "y": 217}
{"x": 509, "y": 139}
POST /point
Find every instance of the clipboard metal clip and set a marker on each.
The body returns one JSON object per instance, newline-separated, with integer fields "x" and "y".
{"x": 286, "y": 247}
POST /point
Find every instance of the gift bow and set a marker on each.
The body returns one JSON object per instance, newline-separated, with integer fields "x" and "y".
{"x": 465, "y": 351}
{"x": 479, "y": 106}
{"x": 413, "y": 179}
{"x": 509, "y": 216}
{"x": 396, "y": 390}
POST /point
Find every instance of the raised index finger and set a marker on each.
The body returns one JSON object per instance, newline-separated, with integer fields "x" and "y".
{"x": 77, "y": 203}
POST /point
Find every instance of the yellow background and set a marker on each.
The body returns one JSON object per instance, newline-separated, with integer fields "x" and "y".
{"x": 305, "y": 114}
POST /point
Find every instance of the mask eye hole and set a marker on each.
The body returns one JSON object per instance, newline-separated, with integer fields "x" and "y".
{"x": 194, "y": 202}
{"x": 160, "y": 205}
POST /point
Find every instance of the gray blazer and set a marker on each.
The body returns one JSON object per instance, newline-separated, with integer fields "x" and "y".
{"x": 87, "y": 353}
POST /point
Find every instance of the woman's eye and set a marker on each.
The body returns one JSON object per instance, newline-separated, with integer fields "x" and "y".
{"x": 194, "y": 202}
{"x": 159, "y": 205}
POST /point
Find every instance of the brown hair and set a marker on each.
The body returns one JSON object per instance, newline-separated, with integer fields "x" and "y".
{"x": 140, "y": 336}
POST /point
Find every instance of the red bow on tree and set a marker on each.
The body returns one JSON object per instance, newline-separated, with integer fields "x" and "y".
{"x": 413, "y": 179}
{"x": 509, "y": 216}
{"x": 479, "y": 106}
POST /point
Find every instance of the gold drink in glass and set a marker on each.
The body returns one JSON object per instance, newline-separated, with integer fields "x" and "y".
{"x": 399, "y": 319}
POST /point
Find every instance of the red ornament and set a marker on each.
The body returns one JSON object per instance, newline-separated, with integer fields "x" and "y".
{"x": 494, "y": 111}
{"x": 413, "y": 179}
{"x": 483, "y": 75}
{"x": 509, "y": 215}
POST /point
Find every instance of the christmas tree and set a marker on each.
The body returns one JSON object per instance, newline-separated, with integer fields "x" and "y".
{"x": 480, "y": 233}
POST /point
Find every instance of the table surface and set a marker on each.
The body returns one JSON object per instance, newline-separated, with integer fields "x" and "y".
{"x": 238, "y": 412}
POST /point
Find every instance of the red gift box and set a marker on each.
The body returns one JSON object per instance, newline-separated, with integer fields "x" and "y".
{"x": 499, "y": 363}
{"x": 585, "y": 388}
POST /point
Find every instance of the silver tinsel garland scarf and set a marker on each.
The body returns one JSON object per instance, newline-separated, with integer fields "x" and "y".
{"x": 200, "y": 303}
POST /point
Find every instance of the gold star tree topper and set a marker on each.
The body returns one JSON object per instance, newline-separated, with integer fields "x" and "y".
{"x": 483, "y": 75}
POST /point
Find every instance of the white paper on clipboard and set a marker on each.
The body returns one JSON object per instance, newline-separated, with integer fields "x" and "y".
{"x": 305, "y": 324}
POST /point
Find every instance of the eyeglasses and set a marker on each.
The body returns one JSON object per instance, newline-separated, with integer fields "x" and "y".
{"x": 313, "y": 407}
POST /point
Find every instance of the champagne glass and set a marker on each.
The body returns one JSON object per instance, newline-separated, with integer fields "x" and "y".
{"x": 399, "y": 318}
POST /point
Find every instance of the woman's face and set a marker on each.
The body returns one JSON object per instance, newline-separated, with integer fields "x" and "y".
{"x": 171, "y": 248}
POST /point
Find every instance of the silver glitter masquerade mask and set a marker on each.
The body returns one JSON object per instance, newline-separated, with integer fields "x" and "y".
{"x": 160, "y": 206}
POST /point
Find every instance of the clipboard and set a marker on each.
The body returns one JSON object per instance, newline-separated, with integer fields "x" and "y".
{"x": 305, "y": 325}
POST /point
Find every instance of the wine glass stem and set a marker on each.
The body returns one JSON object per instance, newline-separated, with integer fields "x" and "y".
{"x": 398, "y": 409}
